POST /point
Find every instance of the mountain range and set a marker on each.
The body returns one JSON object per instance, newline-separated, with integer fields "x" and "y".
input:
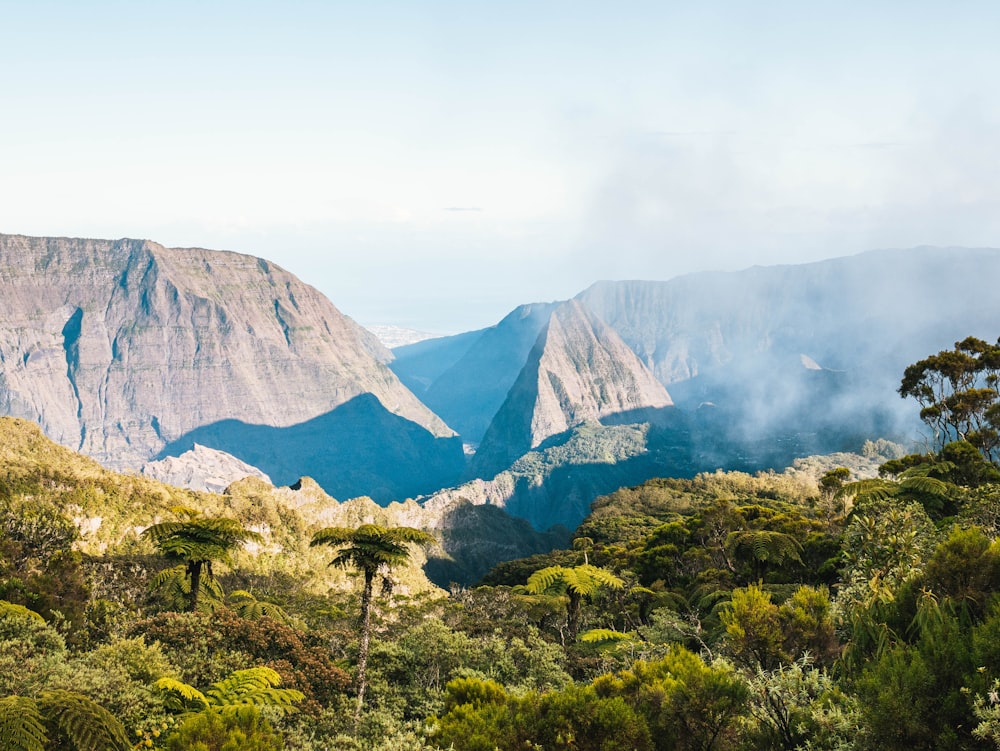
{"x": 134, "y": 354}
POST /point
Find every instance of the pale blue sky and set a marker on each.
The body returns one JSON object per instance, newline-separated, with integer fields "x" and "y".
{"x": 582, "y": 140}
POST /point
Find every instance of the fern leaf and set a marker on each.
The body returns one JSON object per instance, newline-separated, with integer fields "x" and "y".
{"x": 87, "y": 725}
{"x": 180, "y": 696}
{"x": 21, "y": 727}
{"x": 598, "y": 635}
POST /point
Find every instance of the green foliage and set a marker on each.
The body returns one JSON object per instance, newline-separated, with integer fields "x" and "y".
{"x": 38, "y": 567}
{"x": 241, "y": 729}
{"x": 577, "y": 582}
{"x": 959, "y": 392}
{"x": 207, "y": 648}
{"x": 84, "y": 724}
{"x": 800, "y": 706}
{"x": 198, "y": 541}
{"x": 686, "y": 703}
{"x": 173, "y": 587}
{"x": 59, "y": 719}
{"x": 251, "y": 686}
{"x": 21, "y": 725}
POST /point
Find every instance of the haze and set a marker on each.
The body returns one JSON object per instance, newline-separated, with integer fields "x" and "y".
{"x": 434, "y": 164}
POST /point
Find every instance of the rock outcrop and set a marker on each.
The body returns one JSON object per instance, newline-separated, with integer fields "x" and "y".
{"x": 126, "y": 350}
{"x": 202, "y": 468}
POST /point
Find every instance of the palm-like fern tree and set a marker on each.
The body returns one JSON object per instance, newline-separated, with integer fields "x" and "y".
{"x": 198, "y": 541}
{"x": 62, "y": 719}
{"x": 576, "y": 583}
{"x": 374, "y": 551}
{"x": 914, "y": 484}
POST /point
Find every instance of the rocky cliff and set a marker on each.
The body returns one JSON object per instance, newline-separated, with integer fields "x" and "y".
{"x": 127, "y": 351}
{"x": 465, "y": 378}
{"x": 578, "y": 371}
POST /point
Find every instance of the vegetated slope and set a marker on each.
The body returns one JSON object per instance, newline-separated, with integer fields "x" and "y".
{"x": 111, "y": 509}
{"x": 124, "y": 348}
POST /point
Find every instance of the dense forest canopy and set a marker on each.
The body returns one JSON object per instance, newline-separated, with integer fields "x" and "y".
{"x": 831, "y": 606}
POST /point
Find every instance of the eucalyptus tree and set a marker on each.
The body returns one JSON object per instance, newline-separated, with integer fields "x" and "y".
{"x": 374, "y": 551}
{"x": 198, "y": 541}
{"x": 959, "y": 394}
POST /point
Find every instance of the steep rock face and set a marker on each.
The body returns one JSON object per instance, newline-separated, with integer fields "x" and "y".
{"x": 121, "y": 348}
{"x": 579, "y": 371}
{"x": 880, "y": 307}
{"x": 465, "y": 381}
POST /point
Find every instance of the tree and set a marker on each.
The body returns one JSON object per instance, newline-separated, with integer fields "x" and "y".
{"x": 59, "y": 719}
{"x": 198, "y": 541}
{"x": 959, "y": 394}
{"x": 577, "y": 582}
{"x": 374, "y": 551}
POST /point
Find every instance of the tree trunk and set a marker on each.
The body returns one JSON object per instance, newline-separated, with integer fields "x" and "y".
{"x": 194, "y": 569}
{"x": 573, "y": 614}
{"x": 366, "y": 626}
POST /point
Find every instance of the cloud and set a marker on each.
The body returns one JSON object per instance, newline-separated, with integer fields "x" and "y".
{"x": 462, "y": 208}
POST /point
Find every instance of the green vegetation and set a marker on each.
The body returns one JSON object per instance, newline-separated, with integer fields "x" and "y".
{"x": 852, "y": 602}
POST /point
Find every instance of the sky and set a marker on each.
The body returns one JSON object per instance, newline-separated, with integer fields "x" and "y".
{"x": 435, "y": 164}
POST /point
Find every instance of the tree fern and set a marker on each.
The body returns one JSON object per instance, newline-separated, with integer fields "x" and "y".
{"x": 255, "y": 686}
{"x": 174, "y": 587}
{"x": 86, "y": 725}
{"x": 179, "y": 696}
{"x": 21, "y": 727}
{"x": 577, "y": 582}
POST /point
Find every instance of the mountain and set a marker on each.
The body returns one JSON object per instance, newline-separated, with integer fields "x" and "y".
{"x": 578, "y": 371}
{"x": 465, "y": 378}
{"x": 762, "y": 366}
{"x": 128, "y": 351}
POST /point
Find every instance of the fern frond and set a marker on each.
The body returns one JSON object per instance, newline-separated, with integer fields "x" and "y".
{"x": 87, "y": 725}
{"x": 598, "y": 635}
{"x": 249, "y": 607}
{"x": 928, "y": 486}
{"x": 21, "y": 727}
{"x": 872, "y": 489}
{"x": 179, "y": 696}
{"x": 543, "y": 579}
{"x": 243, "y": 682}
{"x": 254, "y": 686}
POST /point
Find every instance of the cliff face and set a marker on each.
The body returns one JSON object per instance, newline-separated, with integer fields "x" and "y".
{"x": 579, "y": 371}
{"x": 121, "y": 348}
{"x": 468, "y": 389}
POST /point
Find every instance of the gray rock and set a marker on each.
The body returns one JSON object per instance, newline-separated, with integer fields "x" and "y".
{"x": 121, "y": 349}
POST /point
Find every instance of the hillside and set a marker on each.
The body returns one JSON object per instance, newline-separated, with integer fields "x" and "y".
{"x": 129, "y": 351}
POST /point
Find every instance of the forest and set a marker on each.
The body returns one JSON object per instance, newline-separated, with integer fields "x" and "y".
{"x": 850, "y": 602}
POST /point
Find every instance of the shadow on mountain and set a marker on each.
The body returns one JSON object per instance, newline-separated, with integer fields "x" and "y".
{"x": 359, "y": 448}
{"x": 477, "y": 537}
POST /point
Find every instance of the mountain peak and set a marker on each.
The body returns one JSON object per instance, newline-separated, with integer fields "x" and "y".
{"x": 579, "y": 371}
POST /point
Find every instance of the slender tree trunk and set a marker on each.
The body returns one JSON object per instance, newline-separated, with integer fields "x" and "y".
{"x": 366, "y": 627}
{"x": 194, "y": 568}
{"x": 573, "y": 614}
